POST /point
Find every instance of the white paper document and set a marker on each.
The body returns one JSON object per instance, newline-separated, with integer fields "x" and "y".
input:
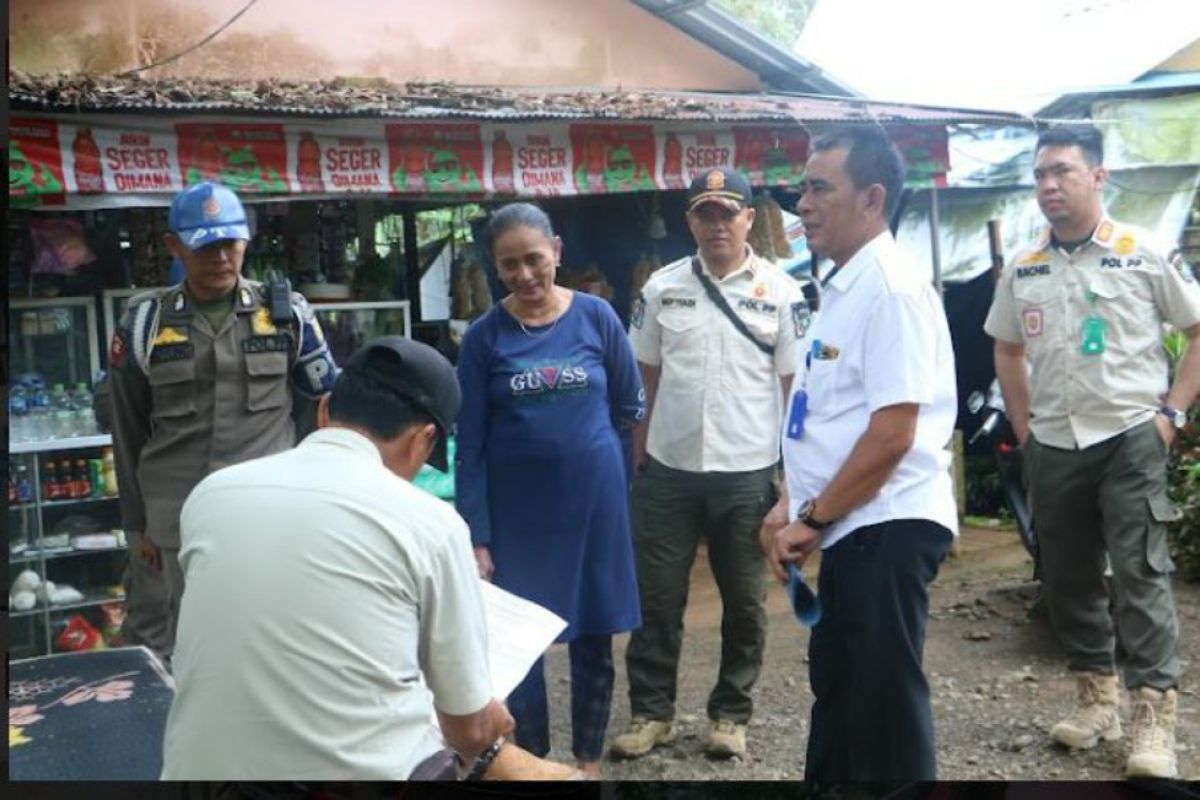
{"x": 518, "y": 634}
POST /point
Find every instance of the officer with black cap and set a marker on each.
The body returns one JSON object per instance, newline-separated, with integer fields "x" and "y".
{"x": 205, "y": 374}
{"x": 332, "y": 607}
{"x": 715, "y": 337}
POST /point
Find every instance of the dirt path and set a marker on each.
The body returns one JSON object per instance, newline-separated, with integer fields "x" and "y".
{"x": 998, "y": 683}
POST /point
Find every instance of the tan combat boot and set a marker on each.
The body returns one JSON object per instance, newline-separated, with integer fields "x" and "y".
{"x": 1153, "y": 753}
{"x": 1096, "y": 716}
{"x": 726, "y": 740}
{"x": 643, "y": 736}
{"x": 513, "y": 763}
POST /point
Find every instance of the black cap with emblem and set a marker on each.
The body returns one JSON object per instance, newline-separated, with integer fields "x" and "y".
{"x": 723, "y": 185}
{"x": 419, "y": 374}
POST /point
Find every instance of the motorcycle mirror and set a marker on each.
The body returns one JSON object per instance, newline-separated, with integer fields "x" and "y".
{"x": 975, "y": 401}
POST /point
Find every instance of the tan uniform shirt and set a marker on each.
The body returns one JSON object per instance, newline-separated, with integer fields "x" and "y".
{"x": 207, "y": 399}
{"x": 718, "y": 404}
{"x": 1110, "y": 297}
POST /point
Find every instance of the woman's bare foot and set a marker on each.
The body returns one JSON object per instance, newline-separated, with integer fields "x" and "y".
{"x": 590, "y": 769}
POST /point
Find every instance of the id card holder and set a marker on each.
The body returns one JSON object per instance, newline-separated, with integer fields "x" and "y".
{"x": 1091, "y": 340}
{"x": 795, "y": 426}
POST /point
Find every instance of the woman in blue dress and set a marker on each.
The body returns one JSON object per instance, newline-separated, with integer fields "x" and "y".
{"x": 550, "y": 387}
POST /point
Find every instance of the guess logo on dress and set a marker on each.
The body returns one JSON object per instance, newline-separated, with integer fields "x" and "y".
{"x": 550, "y": 378}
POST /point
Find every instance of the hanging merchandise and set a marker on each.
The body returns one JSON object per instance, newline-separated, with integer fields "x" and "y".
{"x": 642, "y": 271}
{"x": 593, "y": 281}
{"x": 151, "y": 260}
{"x": 59, "y": 246}
{"x": 481, "y": 290}
{"x": 768, "y": 235}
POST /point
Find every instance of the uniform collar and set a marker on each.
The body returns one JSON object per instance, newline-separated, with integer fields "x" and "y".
{"x": 179, "y": 300}
{"x": 871, "y": 251}
{"x": 1104, "y": 235}
{"x": 749, "y": 264}
{"x": 347, "y": 439}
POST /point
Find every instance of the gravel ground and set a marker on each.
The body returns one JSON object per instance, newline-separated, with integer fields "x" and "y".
{"x": 997, "y": 678}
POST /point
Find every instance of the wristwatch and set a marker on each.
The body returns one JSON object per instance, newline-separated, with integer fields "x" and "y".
{"x": 1178, "y": 418}
{"x": 805, "y": 514}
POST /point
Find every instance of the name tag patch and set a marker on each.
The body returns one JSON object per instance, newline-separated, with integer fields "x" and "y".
{"x": 678, "y": 302}
{"x": 278, "y": 343}
{"x": 1033, "y": 271}
{"x": 178, "y": 351}
{"x": 1134, "y": 262}
{"x": 759, "y": 306}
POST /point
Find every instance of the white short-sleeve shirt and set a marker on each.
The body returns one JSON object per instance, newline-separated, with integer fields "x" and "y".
{"x": 325, "y": 599}
{"x": 880, "y": 339}
{"x": 718, "y": 401}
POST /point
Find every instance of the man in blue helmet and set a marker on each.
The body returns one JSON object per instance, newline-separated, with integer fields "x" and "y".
{"x": 203, "y": 375}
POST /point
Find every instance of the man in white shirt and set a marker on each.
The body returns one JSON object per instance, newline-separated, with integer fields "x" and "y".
{"x": 327, "y": 598}
{"x": 866, "y": 461}
{"x": 715, "y": 338}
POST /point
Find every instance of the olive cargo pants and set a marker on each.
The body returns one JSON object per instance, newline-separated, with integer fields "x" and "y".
{"x": 1108, "y": 498}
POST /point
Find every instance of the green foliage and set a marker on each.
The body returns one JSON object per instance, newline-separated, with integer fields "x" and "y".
{"x": 781, "y": 20}
{"x": 1183, "y": 481}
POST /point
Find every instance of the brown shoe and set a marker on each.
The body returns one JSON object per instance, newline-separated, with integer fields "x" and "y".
{"x": 515, "y": 764}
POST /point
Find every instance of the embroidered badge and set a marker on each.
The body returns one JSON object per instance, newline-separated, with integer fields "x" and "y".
{"x": 244, "y": 296}
{"x": 1125, "y": 245}
{"x": 714, "y": 181}
{"x": 211, "y": 208}
{"x": 759, "y": 290}
{"x": 170, "y": 336}
{"x": 638, "y": 315}
{"x": 119, "y": 349}
{"x": 1034, "y": 321}
{"x": 180, "y": 302}
{"x": 1104, "y": 232}
{"x": 262, "y": 324}
{"x": 1181, "y": 266}
{"x": 801, "y": 318}
{"x": 1036, "y": 257}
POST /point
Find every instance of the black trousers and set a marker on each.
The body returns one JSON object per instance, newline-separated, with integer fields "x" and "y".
{"x": 872, "y": 720}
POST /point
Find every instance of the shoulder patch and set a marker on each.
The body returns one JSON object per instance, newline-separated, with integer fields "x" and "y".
{"x": 1104, "y": 232}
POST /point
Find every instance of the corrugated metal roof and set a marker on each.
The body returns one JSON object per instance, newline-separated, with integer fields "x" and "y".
{"x": 374, "y": 98}
{"x": 732, "y": 38}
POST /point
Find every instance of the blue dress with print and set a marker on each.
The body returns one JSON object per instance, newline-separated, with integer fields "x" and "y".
{"x": 541, "y": 470}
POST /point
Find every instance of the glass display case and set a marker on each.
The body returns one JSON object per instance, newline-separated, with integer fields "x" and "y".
{"x": 347, "y": 326}
{"x": 66, "y": 549}
{"x": 55, "y": 354}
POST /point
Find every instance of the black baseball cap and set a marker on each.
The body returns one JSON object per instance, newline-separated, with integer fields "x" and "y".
{"x": 723, "y": 185}
{"x": 419, "y": 374}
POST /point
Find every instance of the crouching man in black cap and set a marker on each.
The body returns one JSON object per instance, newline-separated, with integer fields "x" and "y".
{"x": 327, "y": 598}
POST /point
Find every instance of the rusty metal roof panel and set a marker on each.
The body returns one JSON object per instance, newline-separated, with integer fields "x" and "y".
{"x": 373, "y": 98}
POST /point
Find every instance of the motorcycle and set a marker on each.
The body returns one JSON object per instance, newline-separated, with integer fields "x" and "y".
{"x": 1007, "y": 452}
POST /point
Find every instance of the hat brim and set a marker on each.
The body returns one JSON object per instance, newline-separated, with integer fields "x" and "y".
{"x": 437, "y": 459}
{"x": 196, "y": 238}
{"x": 720, "y": 198}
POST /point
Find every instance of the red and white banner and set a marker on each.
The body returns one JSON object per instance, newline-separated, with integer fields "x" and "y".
{"x": 98, "y": 162}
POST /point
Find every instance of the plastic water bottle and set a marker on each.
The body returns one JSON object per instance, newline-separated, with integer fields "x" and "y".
{"x": 62, "y": 413}
{"x": 18, "y": 414}
{"x": 85, "y": 413}
{"x": 39, "y": 416}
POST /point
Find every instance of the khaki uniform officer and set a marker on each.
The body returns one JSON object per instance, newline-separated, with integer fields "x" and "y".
{"x": 1085, "y": 304}
{"x": 202, "y": 377}
{"x": 708, "y": 457}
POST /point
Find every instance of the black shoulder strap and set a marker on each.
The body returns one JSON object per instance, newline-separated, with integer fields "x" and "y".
{"x": 715, "y": 295}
